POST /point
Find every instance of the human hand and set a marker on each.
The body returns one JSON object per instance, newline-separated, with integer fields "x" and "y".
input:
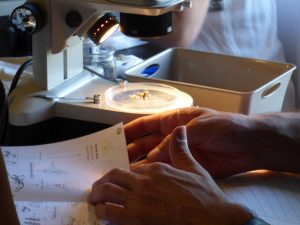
{"x": 145, "y": 133}
{"x": 215, "y": 139}
{"x": 223, "y": 143}
{"x": 160, "y": 194}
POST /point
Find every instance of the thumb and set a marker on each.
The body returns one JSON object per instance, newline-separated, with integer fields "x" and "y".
{"x": 180, "y": 154}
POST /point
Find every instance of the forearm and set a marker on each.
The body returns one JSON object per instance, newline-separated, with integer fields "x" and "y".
{"x": 283, "y": 132}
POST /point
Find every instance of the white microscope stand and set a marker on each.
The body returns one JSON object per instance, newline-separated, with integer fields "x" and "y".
{"x": 26, "y": 110}
{"x": 58, "y": 68}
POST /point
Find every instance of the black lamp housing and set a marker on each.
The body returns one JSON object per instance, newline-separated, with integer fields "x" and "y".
{"x": 146, "y": 26}
{"x": 103, "y": 28}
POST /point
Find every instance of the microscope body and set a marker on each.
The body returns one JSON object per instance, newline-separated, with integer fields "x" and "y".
{"x": 58, "y": 59}
{"x": 57, "y": 47}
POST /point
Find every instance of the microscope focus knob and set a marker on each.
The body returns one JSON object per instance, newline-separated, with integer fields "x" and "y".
{"x": 73, "y": 19}
{"x": 28, "y": 18}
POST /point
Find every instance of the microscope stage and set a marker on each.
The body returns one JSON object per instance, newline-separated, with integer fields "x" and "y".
{"x": 77, "y": 99}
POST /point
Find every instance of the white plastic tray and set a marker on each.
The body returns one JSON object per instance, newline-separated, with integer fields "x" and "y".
{"x": 221, "y": 82}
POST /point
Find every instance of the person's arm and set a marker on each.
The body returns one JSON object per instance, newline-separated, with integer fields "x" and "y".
{"x": 186, "y": 26}
{"x": 282, "y": 130}
{"x": 8, "y": 215}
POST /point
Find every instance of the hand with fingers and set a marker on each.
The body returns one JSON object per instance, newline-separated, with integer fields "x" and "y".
{"x": 217, "y": 140}
{"x": 145, "y": 133}
{"x": 223, "y": 143}
{"x": 157, "y": 193}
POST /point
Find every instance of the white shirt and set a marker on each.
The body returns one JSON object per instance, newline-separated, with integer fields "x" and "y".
{"x": 246, "y": 28}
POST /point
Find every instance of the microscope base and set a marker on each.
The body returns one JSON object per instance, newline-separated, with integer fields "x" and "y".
{"x": 67, "y": 100}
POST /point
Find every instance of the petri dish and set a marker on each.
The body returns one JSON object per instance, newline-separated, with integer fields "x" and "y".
{"x": 146, "y": 98}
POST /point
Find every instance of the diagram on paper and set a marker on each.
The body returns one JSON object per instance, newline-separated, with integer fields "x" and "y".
{"x": 50, "y": 183}
{"x": 56, "y": 213}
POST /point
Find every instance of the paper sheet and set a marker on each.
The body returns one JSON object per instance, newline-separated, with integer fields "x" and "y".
{"x": 274, "y": 197}
{"x": 50, "y": 182}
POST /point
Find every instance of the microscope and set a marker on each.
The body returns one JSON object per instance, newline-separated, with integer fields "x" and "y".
{"x": 60, "y": 86}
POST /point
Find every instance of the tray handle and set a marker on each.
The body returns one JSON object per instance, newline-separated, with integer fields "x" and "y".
{"x": 270, "y": 90}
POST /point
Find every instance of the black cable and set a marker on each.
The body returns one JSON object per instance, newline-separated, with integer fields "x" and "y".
{"x": 4, "y": 112}
{"x": 18, "y": 74}
{"x": 99, "y": 75}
